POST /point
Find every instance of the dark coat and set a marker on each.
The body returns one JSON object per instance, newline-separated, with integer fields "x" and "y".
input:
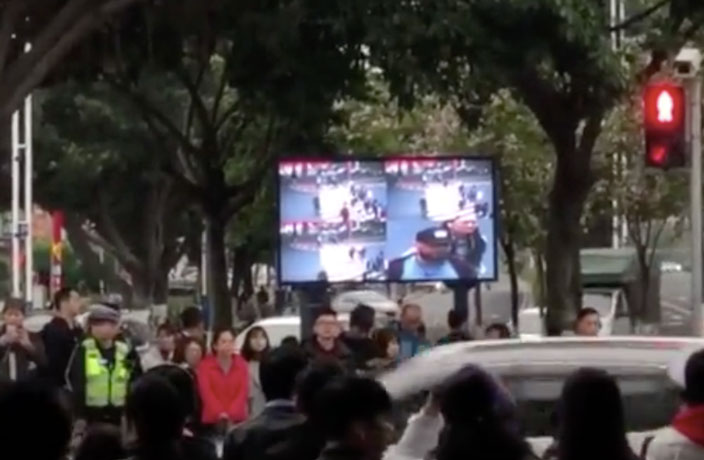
{"x": 340, "y": 354}
{"x": 28, "y": 362}
{"x": 59, "y": 339}
{"x": 337, "y": 452}
{"x": 266, "y": 436}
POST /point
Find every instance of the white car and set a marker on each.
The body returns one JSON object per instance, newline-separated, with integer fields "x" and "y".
{"x": 535, "y": 370}
{"x": 347, "y": 301}
{"x": 667, "y": 266}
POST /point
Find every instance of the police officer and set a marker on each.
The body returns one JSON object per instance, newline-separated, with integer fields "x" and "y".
{"x": 99, "y": 370}
{"x": 431, "y": 259}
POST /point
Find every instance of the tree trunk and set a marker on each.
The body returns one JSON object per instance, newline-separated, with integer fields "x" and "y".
{"x": 218, "y": 293}
{"x": 539, "y": 281}
{"x": 569, "y": 192}
{"x": 510, "y": 252}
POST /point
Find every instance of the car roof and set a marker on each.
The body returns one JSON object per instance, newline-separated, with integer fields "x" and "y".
{"x": 540, "y": 355}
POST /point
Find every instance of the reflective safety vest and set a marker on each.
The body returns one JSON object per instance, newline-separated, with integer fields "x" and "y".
{"x": 105, "y": 385}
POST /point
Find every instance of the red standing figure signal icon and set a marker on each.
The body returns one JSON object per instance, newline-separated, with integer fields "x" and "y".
{"x": 665, "y": 136}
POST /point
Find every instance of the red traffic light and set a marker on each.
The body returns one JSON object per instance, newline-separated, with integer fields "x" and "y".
{"x": 664, "y": 106}
{"x": 664, "y": 111}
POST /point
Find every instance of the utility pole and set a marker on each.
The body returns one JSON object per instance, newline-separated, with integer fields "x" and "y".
{"x": 21, "y": 133}
{"x": 695, "y": 97}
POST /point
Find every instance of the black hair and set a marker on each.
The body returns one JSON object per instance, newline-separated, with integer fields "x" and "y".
{"x": 191, "y": 317}
{"x": 13, "y": 303}
{"x": 154, "y": 409}
{"x": 262, "y": 295}
{"x": 347, "y": 400}
{"x": 290, "y": 341}
{"x": 382, "y": 338}
{"x": 183, "y": 383}
{"x": 455, "y": 319}
{"x": 590, "y": 409}
{"x": 362, "y": 317}
{"x": 502, "y": 329}
{"x": 219, "y": 333}
{"x": 167, "y": 328}
{"x": 278, "y": 372}
{"x": 101, "y": 442}
{"x": 312, "y": 380}
{"x": 693, "y": 393}
{"x": 25, "y": 401}
{"x": 61, "y": 296}
{"x": 247, "y": 352}
{"x": 480, "y": 419}
{"x": 584, "y": 312}
{"x": 325, "y": 311}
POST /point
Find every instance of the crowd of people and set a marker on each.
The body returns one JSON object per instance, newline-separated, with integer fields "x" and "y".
{"x": 88, "y": 393}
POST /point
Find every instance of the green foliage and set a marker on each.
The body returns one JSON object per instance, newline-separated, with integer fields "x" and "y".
{"x": 73, "y": 272}
{"x": 653, "y": 202}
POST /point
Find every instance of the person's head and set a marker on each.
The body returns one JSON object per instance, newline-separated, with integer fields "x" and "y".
{"x": 588, "y": 322}
{"x": 278, "y": 372}
{"x": 13, "y": 312}
{"x": 101, "y": 442}
{"x": 104, "y": 323}
{"x": 262, "y": 296}
{"x": 693, "y": 394}
{"x": 193, "y": 352}
{"x": 312, "y": 380}
{"x": 24, "y": 401}
{"x": 256, "y": 344}
{"x": 326, "y": 326}
{"x": 497, "y": 331}
{"x": 224, "y": 342}
{"x": 182, "y": 382}
{"x": 463, "y": 224}
{"x": 411, "y": 317}
{"x": 155, "y": 411}
{"x": 67, "y": 301}
{"x": 362, "y": 318}
{"x": 192, "y": 321}
{"x": 386, "y": 342}
{"x": 354, "y": 412}
{"x": 290, "y": 341}
{"x": 455, "y": 320}
{"x": 590, "y": 409}
{"x": 166, "y": 338}
{"x": 433, "y": 244}
{"x": 480, "y": 416}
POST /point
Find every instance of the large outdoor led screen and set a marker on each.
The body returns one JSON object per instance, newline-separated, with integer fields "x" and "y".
{"x": 405, "y": 219}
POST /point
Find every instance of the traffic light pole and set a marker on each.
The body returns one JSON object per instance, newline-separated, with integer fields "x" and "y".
{"x": 696, "y": 201}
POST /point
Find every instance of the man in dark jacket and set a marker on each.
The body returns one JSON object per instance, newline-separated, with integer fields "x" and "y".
{"x": 457, "y": 324}
{"x": 325, "y": 345}
{"x": 468, "y": 244}
{"x": 261, "y": 437}
{"x": 357, "y": 339}
{"x": 61, "y": 335}
{"x": 21, "y": 353}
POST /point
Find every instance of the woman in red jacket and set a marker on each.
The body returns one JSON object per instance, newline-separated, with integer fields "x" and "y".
{"x": 223, "y": 383}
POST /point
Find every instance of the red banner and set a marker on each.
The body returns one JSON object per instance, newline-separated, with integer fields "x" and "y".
{"x": 57, "y": 224}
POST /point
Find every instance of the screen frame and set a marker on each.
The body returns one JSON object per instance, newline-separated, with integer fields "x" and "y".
{"x": 494, "y": 164}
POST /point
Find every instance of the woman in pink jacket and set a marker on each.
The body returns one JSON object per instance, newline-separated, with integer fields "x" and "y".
{"x": 223, "y": 383}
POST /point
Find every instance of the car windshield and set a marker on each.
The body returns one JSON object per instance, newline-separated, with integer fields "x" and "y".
{"x": 365, "y": 296}
{"x": 650, "y": 401}
{"x": 601, "y": 302}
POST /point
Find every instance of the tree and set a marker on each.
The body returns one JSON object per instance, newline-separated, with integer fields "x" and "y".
{"x": 97, "y": 162}
{"x": 54, "y": 28}
{"x": 652, "y": 202}
{"x": 244, "y": 80}
{"x": 509, "y": 132}
{"x": 556, "y": 58}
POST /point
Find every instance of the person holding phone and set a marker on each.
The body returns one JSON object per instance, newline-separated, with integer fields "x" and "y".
{"x": 21, "y": 354}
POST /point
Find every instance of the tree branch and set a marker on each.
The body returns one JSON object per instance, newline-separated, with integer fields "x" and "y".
{"x": 9, "y": 19}
{"x": 193, "y": 88}
{"x": 122, "y": 251}
{"x": 639, "y": 16}
{"x": 75, "y": 20}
